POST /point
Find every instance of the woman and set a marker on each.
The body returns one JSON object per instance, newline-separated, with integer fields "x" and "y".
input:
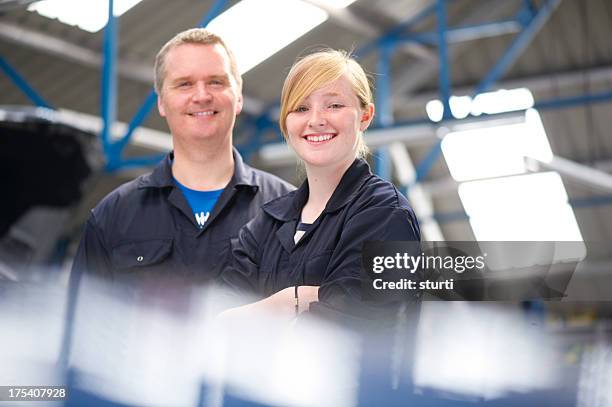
{"x": 313, "y": 236}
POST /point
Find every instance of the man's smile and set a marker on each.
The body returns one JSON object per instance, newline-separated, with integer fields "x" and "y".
{"x": 203, "y": 113}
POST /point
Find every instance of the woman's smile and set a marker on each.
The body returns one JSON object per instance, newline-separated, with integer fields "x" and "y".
{"x": 319, "y": 138}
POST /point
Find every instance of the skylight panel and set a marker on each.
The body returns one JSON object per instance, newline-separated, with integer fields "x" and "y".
{"x": 256, "y": 29}
{"x": 253, "y": 29}
{"x": 531, "y": 207}
{"x": 88, "y": 15}
{"x": 496, "y": 151}
{"x": 502, "y": 201}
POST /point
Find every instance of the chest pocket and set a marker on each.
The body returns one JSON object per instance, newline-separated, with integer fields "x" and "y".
{"x": 141, "y": 253}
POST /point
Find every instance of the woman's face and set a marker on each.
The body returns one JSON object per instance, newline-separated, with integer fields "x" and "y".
{"x": 324, "y": 129}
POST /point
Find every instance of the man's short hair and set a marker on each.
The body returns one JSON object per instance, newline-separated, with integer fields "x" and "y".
{"x": 191, "y": 36}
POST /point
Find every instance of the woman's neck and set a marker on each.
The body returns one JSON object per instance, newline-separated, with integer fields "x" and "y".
{"x": 322, "y": 182}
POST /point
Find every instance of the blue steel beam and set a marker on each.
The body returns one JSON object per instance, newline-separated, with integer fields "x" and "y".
{"x": 588, "y": 98}
{"x": 443, "y": 61}
{"x": 528, "y": 5}
{"x": 484, "y": 30}
{"x": 463, "y": 33}
{"x": 213, "y": 12}
{"x": 526, "y": 13}
{"x": 141, "y": 115}
{"x": 383, "y": 86}
{"x": 384, "y": 118}
{"x": 515, "y": 49}
{"x": 108, "y": 100}
{"x": 547, "y": 104}
{"x": 454, "y": 34}
{"x": 382, "y": 163}
{"x": 395, "y": 31}
{"x": 597, "y": 200}
{"x": 427, "y": 163}
{"x": 23, "y": 85}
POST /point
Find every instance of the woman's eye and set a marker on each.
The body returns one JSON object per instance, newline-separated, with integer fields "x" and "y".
{"x": 301, "y": 109}
{"x": 336, "y": 106}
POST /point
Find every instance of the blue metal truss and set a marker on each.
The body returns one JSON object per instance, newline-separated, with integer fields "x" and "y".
{"x": 531, "y": 28}
{"x": 108, "y": 100}
{"x": 22, "y": 84}
{"x": 528, "y": 20}
{"x": 444, "y": 80}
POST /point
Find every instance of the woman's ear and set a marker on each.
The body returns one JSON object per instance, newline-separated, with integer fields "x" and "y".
{"x": 367, "y": 114}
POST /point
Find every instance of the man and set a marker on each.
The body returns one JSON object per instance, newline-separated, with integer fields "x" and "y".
{"x": 178, "y": 220}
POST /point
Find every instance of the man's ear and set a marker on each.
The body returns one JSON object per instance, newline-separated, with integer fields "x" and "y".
{"x": 160, "y": 106}
{"x": 239, "y": 103}
{"x": 367, "y": 115}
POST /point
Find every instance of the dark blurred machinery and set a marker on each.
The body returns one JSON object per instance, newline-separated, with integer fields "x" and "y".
{"x": 44, "y": 163}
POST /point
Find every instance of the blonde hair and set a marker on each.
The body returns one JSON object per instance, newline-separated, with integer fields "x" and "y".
{"x": 317, "y": 70}
{"x": 192, "y": 36}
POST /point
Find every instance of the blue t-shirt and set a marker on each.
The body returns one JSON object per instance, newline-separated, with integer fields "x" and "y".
{"x": 201, "y": 202}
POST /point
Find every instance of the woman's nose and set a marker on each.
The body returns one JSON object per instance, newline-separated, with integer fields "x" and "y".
{"x": 317, "y": 118}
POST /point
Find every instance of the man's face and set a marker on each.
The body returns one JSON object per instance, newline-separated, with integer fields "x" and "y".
{"x": 199, "y": 97}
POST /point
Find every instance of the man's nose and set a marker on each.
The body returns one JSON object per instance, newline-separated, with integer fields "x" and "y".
{"x": 200, "y": 92}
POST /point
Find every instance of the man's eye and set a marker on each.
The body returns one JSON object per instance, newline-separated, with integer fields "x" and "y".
{"x": 184, "y": 84}
{"x": 216, "y": 82}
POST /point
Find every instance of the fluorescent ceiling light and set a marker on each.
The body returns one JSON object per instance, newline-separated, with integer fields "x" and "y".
{"x": 531, "y": 207}
{"x": 496, "y": 151}
{"x": 514, "y": 207}
{"x": 502, "y": 101}
{"x": 460, "y": 106}
{"x": 88, "y": 15}
{"x": 257, "y": 29}
{"x": 435, "y": 110}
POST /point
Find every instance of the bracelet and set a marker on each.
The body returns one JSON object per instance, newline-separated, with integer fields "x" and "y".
{"x": 297, "y": 301}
